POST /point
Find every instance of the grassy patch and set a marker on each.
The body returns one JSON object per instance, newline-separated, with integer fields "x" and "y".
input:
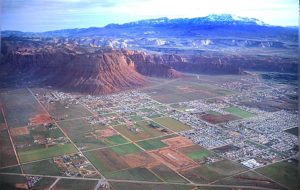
{"x": 199, "y": 154}
{"x": 214, "y": 113}
{"x": 172, "y": 124}
{"x": 211, "y": 172}
{"x": 286, "y": 173}
{"x": 152, "y": 144}
{"x": 75, "y": 184}
{"x": 44, "y": 167}
{"x": 42, "y": 153}
{"x": 13, "y": 169}
{"x": 238, "y": 112}
{"x": 126, "y": 149}
{"x": 167, "y": 174}
{"x": 139, "y": 174}
{"x": 116, "y": 139}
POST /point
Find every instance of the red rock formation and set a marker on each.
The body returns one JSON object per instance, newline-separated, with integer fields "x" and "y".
{"x": 94, "y": 71}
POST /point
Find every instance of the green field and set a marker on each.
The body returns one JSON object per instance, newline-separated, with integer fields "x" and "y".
{"x": 250, "y": 178}
{"x": 116, "y": 139}
{"x": 238, "y": 112}
{"x": 214, "y": 113}
{"x": 7, "y": 154}
{"x": 172, "y": 124}
{"x": 139, "y": 174}
{"x": 136, "y": 118}
{"x": 75, "y": 184}
{"x": 139, "y": 186}
{"x": 126, "y": 149}
{"x": 211, "y": 172}
{"x": 44, "y": 167}
{"x": 13, "y": 169}
{"x": 42, "y": 153}
{"x": 66, "y": 110}
{"x": 44, "y": 183}
{"x": 167, "y": 174}
{"x": 153, "y": 144}
{"x": 285, "y": 173}
{"x": 196, "y": 152}
{"x": 84, "y": 136}
{"x": 186, "y": 89}
{"x": 141, "y": 130}
{"x": 19, "y": 106}
{"x": 7, "y": 182}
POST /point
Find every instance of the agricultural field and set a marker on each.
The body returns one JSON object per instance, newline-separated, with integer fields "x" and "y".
{"x": 238, "y": 112}
{"x": 138, "y": 186}
{"x": 172, "y": 124}
{"x": 49, "y": 168}
{"x": 196, "y": 153}
{"x": 138, "y": 143}
{"x": 123, "y": 162}
{"x": 75, "y": 184}
{"x": 285, "y": 172}
{"x": 218, "y": 118}
{"x": 7, "y": 154}
{"x": 184, "y": 90}
{"x": 153, "y": 144}
{"x": 12, "y": 181}
{"x": 42, "y": 153}
{"x": 40, "y": 142}
{"x": 215, "y": 171}
{"x": 21, "y": 108}
{"x": 43, "y": 183}
{"x": 66, "y": 110}
{"x": 142, "y": 130}
{"x": 250, "y": 179}
{"x": 73, "y": 165}
{"x": 88, "y": 136}
{"x": 11, "y": 169}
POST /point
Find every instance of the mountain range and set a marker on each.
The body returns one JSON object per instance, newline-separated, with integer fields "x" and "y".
{"x": 119, "y": 56}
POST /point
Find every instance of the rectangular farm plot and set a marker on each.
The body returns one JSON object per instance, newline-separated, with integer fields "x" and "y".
{"x": 250, "y": 178}
{"x": 42, "y": 153}
{"x": 142, "y": 130}
{"x": 21, "y": 109}
{"x": 88, "y": 136}
{"x": 173, "y": 159}
{"x": 196, "y": 153}
{"x": 137, "y": 174}
{"x": 218, "y": 118}
{"x": 172, "y": 124}
{"x": 156, "y": 143}
{"x": 73, "y": 165}
{"x": 66, "y": 110}
{"x": 75, "y": 184}
{"x": 126, "y": 162}
{"x": 239, "y": 112}
{"x": 210, "y": 172}
{"x": 40, "y": 142}
{"x": 149, "y": 186}
{"x": 284, "y": 172}
{"x": 167, "y": 174}
{"x": 7, "y": 154}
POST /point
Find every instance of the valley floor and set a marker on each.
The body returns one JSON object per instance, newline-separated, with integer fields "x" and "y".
{"x": 197, "y": 132}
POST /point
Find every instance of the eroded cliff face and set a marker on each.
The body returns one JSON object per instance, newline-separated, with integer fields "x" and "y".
{"x": 155, "y": 65}
{"x": 91, "y": 71}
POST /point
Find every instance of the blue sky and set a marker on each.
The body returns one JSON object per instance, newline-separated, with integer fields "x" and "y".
{"x": 45, "y": 15}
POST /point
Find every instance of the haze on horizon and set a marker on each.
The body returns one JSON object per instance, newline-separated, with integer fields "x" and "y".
{"x": 46, "y": 15}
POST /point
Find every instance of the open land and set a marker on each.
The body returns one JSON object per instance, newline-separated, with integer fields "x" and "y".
{"x": 190, "y": 133}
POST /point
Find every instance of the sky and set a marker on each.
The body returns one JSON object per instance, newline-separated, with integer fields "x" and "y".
{"x": 46, "y": 15}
